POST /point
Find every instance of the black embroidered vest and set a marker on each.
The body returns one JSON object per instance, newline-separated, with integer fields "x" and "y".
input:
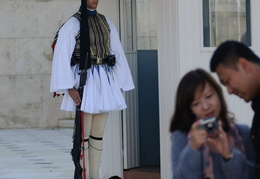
{"x": 99, "y": 33}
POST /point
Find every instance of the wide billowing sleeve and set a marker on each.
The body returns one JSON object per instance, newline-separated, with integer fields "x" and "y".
{"x": 186, "y": 162}
{"x": 62, "y": 77}
{"x": 121, "y": 69}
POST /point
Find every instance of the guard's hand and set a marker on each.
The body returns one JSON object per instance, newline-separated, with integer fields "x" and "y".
{"x": 197, "y": 136}
{"x": 74, "y": 94}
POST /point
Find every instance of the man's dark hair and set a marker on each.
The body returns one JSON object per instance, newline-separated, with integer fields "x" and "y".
{"x": 228, "y": 54}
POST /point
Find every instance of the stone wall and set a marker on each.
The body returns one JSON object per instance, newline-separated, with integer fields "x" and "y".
{"x": 26, "y": 33}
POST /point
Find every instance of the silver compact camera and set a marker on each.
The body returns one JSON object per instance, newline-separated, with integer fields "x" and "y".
{"x": 209, "y": 124}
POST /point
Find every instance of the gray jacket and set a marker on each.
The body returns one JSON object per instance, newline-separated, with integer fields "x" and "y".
{"x": 187, "y": 162}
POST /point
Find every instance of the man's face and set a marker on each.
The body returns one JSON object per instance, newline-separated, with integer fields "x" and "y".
{"x": 92, "y": 4}
{"x": 237, "y": 81}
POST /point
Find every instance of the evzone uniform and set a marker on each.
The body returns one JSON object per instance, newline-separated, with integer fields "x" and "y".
{"x": 108, "y": 73}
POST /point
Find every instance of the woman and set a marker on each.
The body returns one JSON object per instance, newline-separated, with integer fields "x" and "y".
{"x": 225, "y": 152}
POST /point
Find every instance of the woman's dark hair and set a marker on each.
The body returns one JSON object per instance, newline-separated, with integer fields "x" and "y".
{"x": 183, "y": 118}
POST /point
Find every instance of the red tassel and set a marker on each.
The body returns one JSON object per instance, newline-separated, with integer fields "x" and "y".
{"x": 55, "y": 94}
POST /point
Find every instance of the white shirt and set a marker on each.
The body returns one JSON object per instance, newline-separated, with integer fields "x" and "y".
{"x": 102, "y": 92}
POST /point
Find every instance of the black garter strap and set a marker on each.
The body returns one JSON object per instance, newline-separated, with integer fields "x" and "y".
{"x": 96, "y": 138}
{"x": 85, "y": 140}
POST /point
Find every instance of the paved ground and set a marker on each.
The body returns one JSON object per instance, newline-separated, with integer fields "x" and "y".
{"x": 36, "y": 154}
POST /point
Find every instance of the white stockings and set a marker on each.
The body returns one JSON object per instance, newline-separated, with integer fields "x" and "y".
{"x": 94, "y": 126}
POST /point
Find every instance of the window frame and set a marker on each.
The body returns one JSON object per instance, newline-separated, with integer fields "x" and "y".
{"x": 205, "y": 37}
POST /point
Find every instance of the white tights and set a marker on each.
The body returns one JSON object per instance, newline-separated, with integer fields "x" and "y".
{"x": 94, "y": 126}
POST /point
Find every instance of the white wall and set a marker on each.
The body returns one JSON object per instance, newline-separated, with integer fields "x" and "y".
{"x": 194, "y": 55}
{"x": 26, "y": 33}
{"x": 180, "y": 50}
{"x": 112, "y": 156}
{"x": 169, "y": 71}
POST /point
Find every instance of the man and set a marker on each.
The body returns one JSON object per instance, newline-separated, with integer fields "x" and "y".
{"x": 107, "y": 74}
{"x": 238, "y": 68}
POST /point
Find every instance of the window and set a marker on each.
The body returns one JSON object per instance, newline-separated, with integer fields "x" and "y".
{"x": 146, "y": 19}
{"x": 129, "y": 25}
{"x": 141, "y": 24}
{"x": 226, "y": 20}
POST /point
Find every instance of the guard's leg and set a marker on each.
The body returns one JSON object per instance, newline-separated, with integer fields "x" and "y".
{"x": 87, "y": 127}
{"x": 96, "y": 144}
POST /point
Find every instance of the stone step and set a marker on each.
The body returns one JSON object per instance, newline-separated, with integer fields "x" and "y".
{"x": 66, "y": 123}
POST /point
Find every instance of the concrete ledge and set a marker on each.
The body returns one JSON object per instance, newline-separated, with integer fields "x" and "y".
{"x": 66, "y": 123}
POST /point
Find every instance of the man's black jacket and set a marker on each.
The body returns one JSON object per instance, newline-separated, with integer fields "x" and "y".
{"x": 255, "y": 132}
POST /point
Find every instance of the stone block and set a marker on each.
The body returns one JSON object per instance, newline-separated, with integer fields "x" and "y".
{"x": 7, "y": 57}
{"x": 51, "y": 15}
{"x": 51, "y": 106}
{"x": 8, "y": 101}
{"x": 28, "y": 110}
{"x": 19, "y": 19}
{"x": 33, "y": 56}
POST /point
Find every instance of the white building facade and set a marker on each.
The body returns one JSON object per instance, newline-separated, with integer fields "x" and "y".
{"x": 181, "y": 48}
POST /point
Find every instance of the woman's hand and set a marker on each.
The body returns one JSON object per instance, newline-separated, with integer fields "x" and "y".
{"x": 197, "y": 136}
{"x": 219, "y": 143}
{"x": 74, "y": 94}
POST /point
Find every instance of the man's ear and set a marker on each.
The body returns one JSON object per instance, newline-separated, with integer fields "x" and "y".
{"x": 244, "y": 65}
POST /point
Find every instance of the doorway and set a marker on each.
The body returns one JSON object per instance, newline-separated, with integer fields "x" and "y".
{"x": 141, "y": 131}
